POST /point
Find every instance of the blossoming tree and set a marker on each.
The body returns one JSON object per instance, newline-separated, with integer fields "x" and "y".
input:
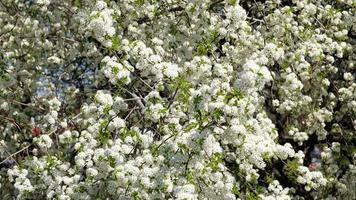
{"x": 177, "y": 99}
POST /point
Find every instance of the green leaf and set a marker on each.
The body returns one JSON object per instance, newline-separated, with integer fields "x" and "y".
{"x": 190, "y": 126}
{"x": 136, "y": 196}
{"x": 207, "y": 42}
{"x": 112, "y": 161}
{"x": 217, "y": 114}
{"x": 252, "y": 196}
{"x": 344, "y": 162}
{"x": 77, "y": 3}
{"x": 97, "y": 15}
{"x": 173, "y": 30}
{"x": 202, "y": 49}
{"x": 234, "y": 93}
{"x": 107, "y": 110}
{"x": 291, "y": 170}
{"x": 164, "y": 111}
{"x": 266, "y": 157}
{"x": 139, "y": 2}
{"x": 183, "y": 85}
{"x": 115, "y": 70}
{"x": 232, "y": 2}
{"x": 235, "y": 190}
{"x": 190, "y": 177}
{"x": 153, "y": 149}
{"x": 128, "y": 132}
{"x": 269, "y": 178}
{"x": 200, "y": 141}
{"x": 197, "y": 100}
{"x": 183, "y": 147}
{"x": 104, "y": 135}
{"x": 215, "y": 160}
{"x": 115, "y": 42}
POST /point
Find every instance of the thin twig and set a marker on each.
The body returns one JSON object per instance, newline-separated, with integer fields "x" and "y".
{"x": 12, "y": 121}
{"x": 138, "y": 99}
{"x": 12, "y": 155}
{"x": 23, "y": 149}
{"x": 28, "y": 105}
{"x": 164, "y": 141}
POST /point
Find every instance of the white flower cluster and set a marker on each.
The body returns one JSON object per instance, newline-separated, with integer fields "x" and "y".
{"x": 299, "y": 137}
{"x": 177, "y": 99}
{"x": 115, "y": 71}
{"x": 104, "y": 98}
{"x": 276, "y": 191}
{"x": 311, "y": 179}
{"x": 44, "y": 142}
{"x": 54, "y": 106}
{"x": 101, "y": 23}
{"x": 22, "y": 183}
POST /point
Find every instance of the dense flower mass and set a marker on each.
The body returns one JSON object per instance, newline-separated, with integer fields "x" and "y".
{"x": 177, "y": 99}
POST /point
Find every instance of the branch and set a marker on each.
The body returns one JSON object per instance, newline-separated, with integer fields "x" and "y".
{"x": 23, "y": 149}
{"x": 28, "y": 105}
{"x": 214, "y": 4}
{"x": 12, "y": 121}
{"x": 6, "y": 32}
{"x": 137, "y": 98}
{"x": 144, "y": 19}
{"x": 14, "y": 154}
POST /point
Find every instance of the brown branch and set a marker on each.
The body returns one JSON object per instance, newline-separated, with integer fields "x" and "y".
{"x": 144, "y": 19}
{"x": 14, "y": 154}
{"x": 23, "y": 149}
{"x": 28, "y": 105}
{"x": 212, "y": 5}
{"x": 12, "y": 121}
